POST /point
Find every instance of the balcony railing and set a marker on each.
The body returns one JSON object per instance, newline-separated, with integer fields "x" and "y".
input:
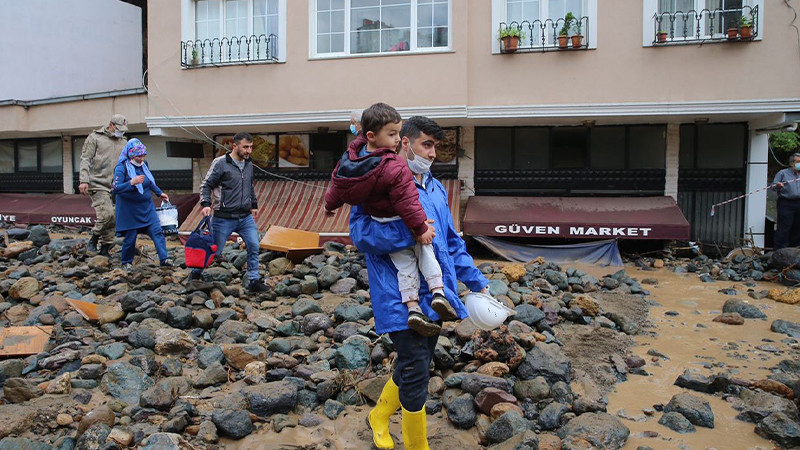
{"x": 546, "y": 35}
{"x": 229, "y": 51}
{"x": 739, "y": 24}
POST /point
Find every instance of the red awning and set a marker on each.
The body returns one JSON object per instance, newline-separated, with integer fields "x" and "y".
{"x": 65, "y": 209}
{"x": 299, "y": 205}
{"x": 576, "y": 217}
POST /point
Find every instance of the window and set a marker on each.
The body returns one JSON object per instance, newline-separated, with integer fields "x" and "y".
{"x": 530, "y": 10}
{"x": 542, "y": 20}
{"x": 683, "y": 19}
{"x": 30, "y": 155}
{"x": 713, "y": 146}
{"x": 235, "y": 30}
{"x": 357, "y": 27}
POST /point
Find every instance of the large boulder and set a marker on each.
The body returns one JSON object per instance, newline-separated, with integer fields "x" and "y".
{"x": 546, "y": 360}
{"x": 780, "y": 428}
{"x": 784, "y": 258}
{"x": 744, "y": 309}
{"x": 757, "y": 405}
{"x": 694, "y": 408}
{"x": 602, "y": 430}
{"x": 277, "y": 397}
{"x": 125, "y": 382}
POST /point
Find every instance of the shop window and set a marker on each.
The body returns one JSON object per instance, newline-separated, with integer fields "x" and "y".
{"x": 720, "y": 146}
{"x": 607, "y": 148}
{"x": 535, "y": 145}
{"x": 6, "y": 156}
{"x": 494, "y": 148}
{"x": 647, "y": 147}
{"x": 327, "y": 149}
{"x": 30, "y": 155}
{"x": 568, "y": 148}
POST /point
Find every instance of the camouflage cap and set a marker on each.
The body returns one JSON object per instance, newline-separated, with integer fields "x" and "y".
{"x": 120, "y": 122}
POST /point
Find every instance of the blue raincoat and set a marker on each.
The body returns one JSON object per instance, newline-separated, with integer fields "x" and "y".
{"x": 377, "y": 240}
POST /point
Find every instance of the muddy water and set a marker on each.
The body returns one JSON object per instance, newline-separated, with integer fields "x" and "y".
{"x": 691, "y": 340}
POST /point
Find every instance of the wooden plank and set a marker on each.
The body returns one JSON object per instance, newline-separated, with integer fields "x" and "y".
{"x": 282, "y": 239}
{"x": 24, "y": 341}
{"x": 89, "y": 311}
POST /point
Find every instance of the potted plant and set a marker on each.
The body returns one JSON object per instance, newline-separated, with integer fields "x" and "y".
{"x": 510, "y": 37}
{"x": 746, "y": 25}
{"x": 563, "y": 34}
{"x": 662, "y": 36}
{"x": 195, "y": 57}
{"x": 577, "y": 38}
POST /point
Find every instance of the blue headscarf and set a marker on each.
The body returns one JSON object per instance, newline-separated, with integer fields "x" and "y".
{"x": 134, "y": 147}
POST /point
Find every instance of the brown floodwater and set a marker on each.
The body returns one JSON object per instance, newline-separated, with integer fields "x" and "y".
{"x": 690, "y": 339}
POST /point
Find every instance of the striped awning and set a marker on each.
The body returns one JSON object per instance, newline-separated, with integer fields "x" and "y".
{"x": 299, "y": 205}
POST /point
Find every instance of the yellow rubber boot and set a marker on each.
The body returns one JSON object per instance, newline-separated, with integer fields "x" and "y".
{"x": 378, "y": 418}
{"x": 415, "y": 430}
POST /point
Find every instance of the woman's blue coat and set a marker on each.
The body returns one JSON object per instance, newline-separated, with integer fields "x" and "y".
{"x": 133, "y": 210}
{"x": 377, "y": 240}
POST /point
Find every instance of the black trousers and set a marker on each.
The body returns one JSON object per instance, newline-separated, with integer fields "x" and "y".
{"x": 411, "y": 374}
{"x": 788, "y": 232}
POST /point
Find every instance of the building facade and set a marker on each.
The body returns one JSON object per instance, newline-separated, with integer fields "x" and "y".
{"x": 647, "y": 98}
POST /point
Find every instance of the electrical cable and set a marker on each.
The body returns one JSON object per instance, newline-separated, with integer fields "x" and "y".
{"x": 791, "y": 24}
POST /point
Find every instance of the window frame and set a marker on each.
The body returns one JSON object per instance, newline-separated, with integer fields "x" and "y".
{"x": 188, "y": 25}
{"x": 413, "y": 50}
{"x": 39, "y": 142}
{"x": 650, "y": 9}
{"x": 499, "y": 14}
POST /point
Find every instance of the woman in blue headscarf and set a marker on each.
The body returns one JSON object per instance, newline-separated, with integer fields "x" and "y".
{"x": 135, "y": 212}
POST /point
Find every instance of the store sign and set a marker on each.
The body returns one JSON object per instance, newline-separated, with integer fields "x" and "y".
{"x": 8, "y": 218}
{"x": 570, "y": 231}
{"x": 70, "y": 220}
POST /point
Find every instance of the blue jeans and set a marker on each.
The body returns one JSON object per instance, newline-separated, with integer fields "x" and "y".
{"x": 411, "y": 374}
{"x": 247, "y": 229}
{"x": 129, "y": 242}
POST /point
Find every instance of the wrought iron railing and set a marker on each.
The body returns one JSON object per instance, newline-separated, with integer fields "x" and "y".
{"x": 544, "y": 35}
{"x": 229, "y": 50}
{"x": 737, "y": 24}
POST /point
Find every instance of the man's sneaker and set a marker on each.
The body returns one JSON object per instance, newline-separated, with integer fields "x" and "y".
{"x": 423, "y": 325}
{"x": 443, "y": 307}
{"x": 105, "y": 249}
{"x": 92, "y": 246}
{"x": 127, "y": 267}
{"x": 167, "y": 263}
{"x": 195, "y": 275}
{"x": 257, "y": 285}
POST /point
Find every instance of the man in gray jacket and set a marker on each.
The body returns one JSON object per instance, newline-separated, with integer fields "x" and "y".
{"x": 788, "y": 187}
{"x": 228, "y": 186}
{"x": 98, "y": 159}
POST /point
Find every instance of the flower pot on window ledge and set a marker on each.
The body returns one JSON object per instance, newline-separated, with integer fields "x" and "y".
{"x": 733, "y": 33}
{"x": 510, "y": 44}
{"x": 746, "y": 33}
{"x": 577, "y": 41}
{"x": 746, "y": 27}
{"x": 662, "y": 37}
{"x": 562, "y": 41}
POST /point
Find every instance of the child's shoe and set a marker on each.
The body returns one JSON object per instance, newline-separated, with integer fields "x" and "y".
{"x": 422, "y": 324}
{"x": 443, "y": 307}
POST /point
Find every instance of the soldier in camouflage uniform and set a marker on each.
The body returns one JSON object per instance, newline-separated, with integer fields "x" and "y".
{"x": 98, "y": 159}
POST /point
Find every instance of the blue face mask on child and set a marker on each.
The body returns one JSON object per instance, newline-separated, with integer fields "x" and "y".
{"x": 796, "y": 166}
{"x": 353, "y": 129}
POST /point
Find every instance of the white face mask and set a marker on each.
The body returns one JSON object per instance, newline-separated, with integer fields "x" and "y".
{"x": 118, "y": 134}
{"x": 137, "y": 164}
{"x": 418, "y": 165}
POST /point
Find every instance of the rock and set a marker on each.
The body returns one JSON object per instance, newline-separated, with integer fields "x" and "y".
{"x": 235, "y": 424}
{"x": 164, "y": 441}
{"x": 171, "y": 341}
{"x": 506, "y": 426}
{"x": 255, "y": 372}
{"x": 303, "y": 306}
{"x": 780, "y": 428}
{"x": 773, "y": 387}
{"x": 546, "y": 360}
{"x": 473, "y": 383}
{"x": 343, "y": 286}
{"x": 219, "y": 274}
{"x": 352, "y": 355}
{"x": 487, "y": 398}
{"x": 94, "y": 437}
{"x": 209, "y": 355}
{"x": 279, "y": 266}
{"x": 64, "y": 419}
{"x": 351, "y": 311}
{"x": 24, "y": 288}
{"x": 494, "y": 369}
{"x": 267, "y": 399}
{"x": 314, "y": 322}
{"x": 694, "y": 408}
{"x": 239, "y": 355}
{"x": 164, "y": 392}
{"x": 789, "y": 296}
{"x": 550, "y": 417}
{"x": 121, "y": 437}
{"x": 234, "y": 331}
{"x": 39, "y": 235}
{"x": 526, "y": 441}
{"x": 10, "y": 443}
{"x": 694, "y": 380}
{"x": 756, "y": 406}
{"x": 730, "y": 319}
{"x": 587, "y": 304}
{"x": 10, "y": 368}
{"x": 534, "y": 389}
{"x": 785, "y": 327}
{"x": 327, "y": 276}
{"x": 461, "y": 411}
{"x": 60, "y": 385}
{"x": 676, "y": 422}
{"x": 14, "y": 249}
{"x": 100, "y": 414}
{"x": 746, "y": 310}
{"x": 208, "y": 432}
{"x": 602, "y": 430}
{"x": 98, "y": 263}
{"x": 111, "y": 351}
{"x": 213, "y": 374}
{"x": 528, "y": 314}
{"x": 332, "y": 408}
{"x": 625, "y": 323}
{"x": 18, "y": 390}
{"x": 179, "y": 317}
{"x": 513, "y": 273}
{"x": 785, "y": 257}
{"x": 125, "y": 382}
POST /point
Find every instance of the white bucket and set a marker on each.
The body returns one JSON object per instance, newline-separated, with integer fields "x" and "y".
{"x": 486, "y": 312}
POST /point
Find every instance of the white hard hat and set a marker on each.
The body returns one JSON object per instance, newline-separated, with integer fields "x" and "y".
{"x": 486, "y": 312}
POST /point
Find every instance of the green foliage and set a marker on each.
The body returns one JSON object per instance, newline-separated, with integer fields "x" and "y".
{"x": 784, "y": 144}
{"x": 568, "y": 21}
{"x": 746, "y": 21}
{"x": 510, "y": 32}
{"x": 194, "y": 53}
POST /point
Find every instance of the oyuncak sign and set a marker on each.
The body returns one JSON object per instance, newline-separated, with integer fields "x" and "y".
{"x": 41, "y": 218}
{"x": 514, "y": 229}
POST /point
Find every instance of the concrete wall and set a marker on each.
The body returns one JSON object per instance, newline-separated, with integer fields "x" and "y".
{"x": 54, "y": 48}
